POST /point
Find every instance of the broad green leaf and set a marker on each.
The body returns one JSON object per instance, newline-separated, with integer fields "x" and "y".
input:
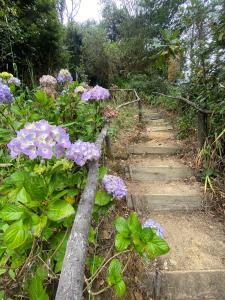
{"x": 36, "y": 188}
{"x": 147, "y": 235}
{"x": 114, "y": 272}
{"x": 121, "y": 242}
{"x": 133, "y": 223}
{"x": 94, "y": 263}
{"x": 16, "y": 235}
{"x": 120, "y": 288}
{"x": 59, "y": 210}
{"x": 11, "y": 212}
{"x": 122, "y": 226}
{"x": 157, "y": 247}
{"x": 38, "y": 224}
{"x": 102, "y": 198}
{"x": 36, "y": 289}
{"x": 23, "y": 196}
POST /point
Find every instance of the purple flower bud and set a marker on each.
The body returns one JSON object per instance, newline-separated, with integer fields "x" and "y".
{"x": 154, "y": 225}
{"x": 115, "y": 186}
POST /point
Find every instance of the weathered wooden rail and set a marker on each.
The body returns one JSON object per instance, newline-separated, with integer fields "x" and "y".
{"x": 71, "y": 280}
{"x": 202, "y": 116}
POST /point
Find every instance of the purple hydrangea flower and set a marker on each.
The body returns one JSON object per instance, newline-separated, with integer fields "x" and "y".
{"x": 64, "y": 76}
{"x": 81, "y": 152}
{"x": 14, "y": 80}
{"x": 40, "y": 139}
{"x": 5, "y": 94}
{"x": 96, "y": 93}
{"x": 115, "y": 186}
{"x": 154, "y": 225}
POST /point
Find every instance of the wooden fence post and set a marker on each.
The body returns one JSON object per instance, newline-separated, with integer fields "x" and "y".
{"x": 140, "y": 111}
{"x": 108, "y": 147}
{"x": 202, "y": 128}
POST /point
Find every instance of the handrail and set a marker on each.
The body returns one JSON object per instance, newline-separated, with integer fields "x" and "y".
{"x": 70, "y": 285}
{"x": 71, "y": 280}
{"x": 204, "y": 111}
{"x": 202, "y": 118}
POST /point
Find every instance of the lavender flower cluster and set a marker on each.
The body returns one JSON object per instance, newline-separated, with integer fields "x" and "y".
{"x": 5, "y": 94}
{"x": 40, "y": 139}
{"x": 115, "y": 186}
{"x": 81, "y": 152}
{"x": 154, "y": 225}
{"x": 96, "y": 93}
{"x": 47, "y": 80}
{"x": 64, "y": 76}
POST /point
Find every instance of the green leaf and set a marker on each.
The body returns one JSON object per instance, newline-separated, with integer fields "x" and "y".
{"x": 121, "y": 242}
{"x": 36, "y": 290}
{"x": 11, "y": 212}
{"x": 59, "y": 243}
{"x": 147, "y": 235}
{"x": 23, "y": 196}
{"x": 94, "y": 263}
{"x": 102, "y": 172}
{"x": 133, "y": 223}
{"x": 39, "y": 224}
{"x": 15, "y": 235}
{"x": 36, "y": 188}
{"x": 122, "y": 226}
{"x": 157, "y": 247}
{"x": 91, "y": 235}
{"x": 114, "y": 272}
{"x": 102, "y": 198}
{"x": 120, "y": 288}
{"x": 59, "y": 210}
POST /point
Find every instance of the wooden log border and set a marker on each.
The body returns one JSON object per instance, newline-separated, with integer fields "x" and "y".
{"x": 71, "y": 279}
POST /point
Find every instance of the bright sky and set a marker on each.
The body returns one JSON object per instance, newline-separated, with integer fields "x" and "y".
{"x": 89, "y": 9}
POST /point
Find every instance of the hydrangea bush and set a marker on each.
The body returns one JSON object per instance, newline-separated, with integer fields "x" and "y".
{"x": 154, "y": 225}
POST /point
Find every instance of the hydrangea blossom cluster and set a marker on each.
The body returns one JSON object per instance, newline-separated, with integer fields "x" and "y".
{"x": 64, "y": 76}
{"x": 110, "y": 113}
{"x": 115, "y": 186}
{"x": 14, "y": 80}
{"x": 47, "y": 80}
{"x": 5, "y": 94}
{"x": 96, "y": 93}
{"x": 154, "y": 225}
{"x": 81, "y": 152}
{"x": 40, "y": 139}
{"x": 8, "y": 78}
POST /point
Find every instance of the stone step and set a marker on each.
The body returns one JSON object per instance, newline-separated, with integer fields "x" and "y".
{"x": 154, "y": 147}
{"x": 152, "y": 116}
{"x": 194, "y": 268}
{"x": 159, "y": 128}
{"x": 188, "y": 285}
{"x": 161, "y": 135}
{"x": 159, "y": 169}
{"x": 158, "y": 122}
{"x": 160, "y": 196}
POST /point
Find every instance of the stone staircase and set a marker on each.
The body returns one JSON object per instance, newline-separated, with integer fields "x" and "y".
{"x": 161, "y": 187}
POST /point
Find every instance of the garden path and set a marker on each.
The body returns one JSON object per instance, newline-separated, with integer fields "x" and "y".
{"x": 163, "y": 188}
